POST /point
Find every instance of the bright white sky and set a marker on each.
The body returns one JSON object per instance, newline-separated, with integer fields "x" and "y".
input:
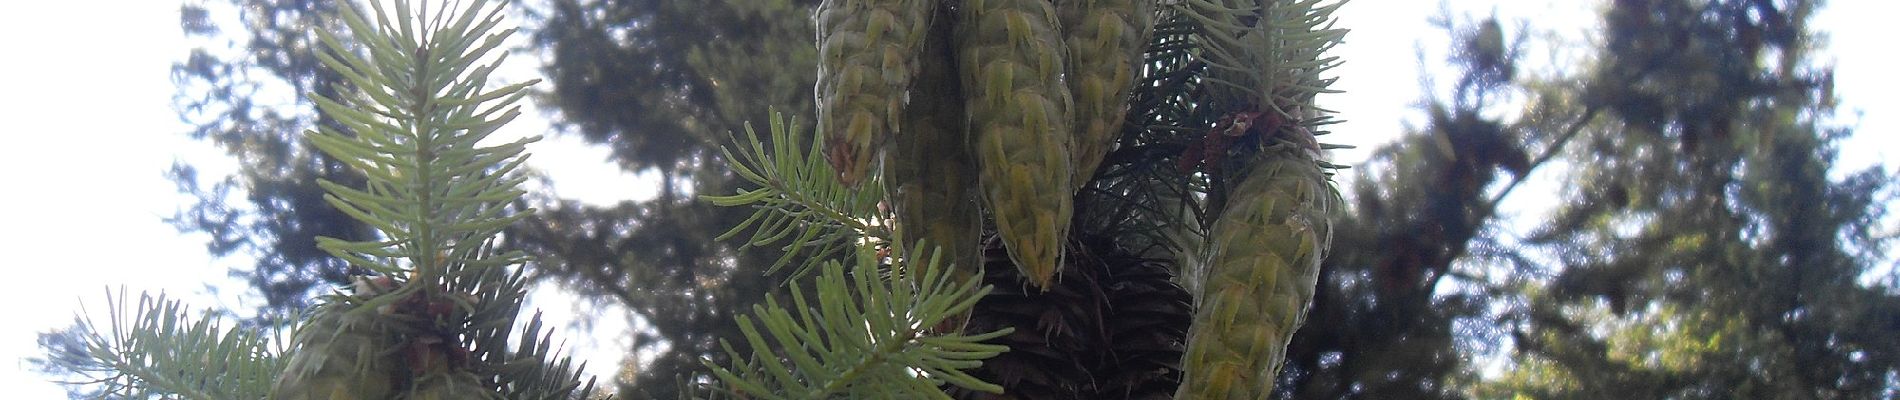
{"x": 91, "y": 131}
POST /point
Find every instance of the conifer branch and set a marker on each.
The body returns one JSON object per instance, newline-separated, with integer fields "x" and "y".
{"x": 866, "y": 336}
{"x": 156, "y": 349}
{"x": 798, "y": 202}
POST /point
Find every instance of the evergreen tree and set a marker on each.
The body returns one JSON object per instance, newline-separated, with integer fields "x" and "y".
{"x": 1702, "y": 188}
{"x": 1381, "y": 327}
{"x": 1710, "y": 248}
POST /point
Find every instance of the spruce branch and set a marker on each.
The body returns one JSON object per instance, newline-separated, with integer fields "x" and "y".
{"x": 1267, "y": 54}
{"x": 799, "y": 202}
{"x": 438, "y": 318}
{"x": 156, "y": 349}
{"x": 866, "y": 336}
{"x": 414, "y": 129}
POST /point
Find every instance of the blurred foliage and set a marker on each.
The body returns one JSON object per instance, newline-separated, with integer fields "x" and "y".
{"x": 663, "y": 84}
{"x": 243, "y": 88}
{"x": 1705, "y": 245}
{"x": 1709, "y": 247}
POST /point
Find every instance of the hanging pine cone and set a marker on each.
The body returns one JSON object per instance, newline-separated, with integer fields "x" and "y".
{"x": 1059, "y": 340}
{"x": 1011, "y": 58}
{"x": 929, "y": 173}
{"x": 1105, "y": 40}
{"x": 1113, "y": 330}
{"x": 1263, "y": 257}
{"x": 1147, "y": 327}
{"x": 867, "y": 56}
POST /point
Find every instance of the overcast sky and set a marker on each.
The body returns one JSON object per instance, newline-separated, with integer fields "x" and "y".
{"x": 90, "y": 129}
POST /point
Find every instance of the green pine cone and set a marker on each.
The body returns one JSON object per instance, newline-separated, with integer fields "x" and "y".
{"x": 456, "y": 385}
{"x": 1011, "y": 58}
{"x": 1263, "y": 258}
{"x": 342, "y": 354}
{"x": 867, "y": 52}
{"x": 929, "y": 173}
{"x": 1105, "y": 40}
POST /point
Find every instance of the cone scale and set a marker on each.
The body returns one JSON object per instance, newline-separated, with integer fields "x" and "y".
{"x": 1011, "y": 60}
{"x": 867, "y": 57}
{"x": 344, "y": 351}
{"x": 1258, "y": 278}
{"x": 1104, "y": 39}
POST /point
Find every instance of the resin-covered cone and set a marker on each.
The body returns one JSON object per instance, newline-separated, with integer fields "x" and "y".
{"x": 867, "y": 57}
{"x": 929, "y": 173}
{"x": 1262, "y": 262}
{"x": 1010, "y": 57}
{"x": 1104, "y": 39}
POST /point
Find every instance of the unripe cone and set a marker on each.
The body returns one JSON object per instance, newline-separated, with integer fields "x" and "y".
{"x": 929, "y": 173}
{"x": 1011, "y": 59}
{"x": 455, "y": 385}
{"x": 343, "y": 352}
{"x": 1105, "y": 39}
{"x": 867, "y": 56}
{"x": 1263, "y": 258}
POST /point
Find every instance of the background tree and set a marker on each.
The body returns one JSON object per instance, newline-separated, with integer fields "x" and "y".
{"x": 664, "y": 84}
{"x": 242, "y": 89}
{"x": 1420, "y": 210}
{"x": 1711, "y": 248}
{"x": 1701, "y": 188}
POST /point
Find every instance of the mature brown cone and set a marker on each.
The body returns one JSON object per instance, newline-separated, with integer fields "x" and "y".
{"x": 1263, "y": 257}
{"x": 1011, "y": 60}
{"x": 929, "y": 173}
{"x": 1113, "y": 330}
{"x": 1105, "y": 40}
{"x": 867, "y": 56}
{"x": 1147, "y": 328}
{"x": 1059, "y": 339}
